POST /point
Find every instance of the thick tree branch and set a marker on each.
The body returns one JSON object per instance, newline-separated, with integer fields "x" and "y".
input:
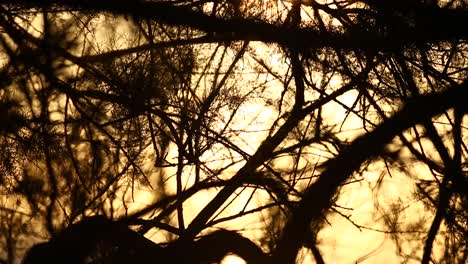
{"x": 213, "y": 247}
{"x": 318, "y": 197}
{"x": 449, "y": 25}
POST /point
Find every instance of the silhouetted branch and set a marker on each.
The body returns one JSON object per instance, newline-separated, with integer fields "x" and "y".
{"x": 252, "y": 30}
{"x": 318, "y": 197}
{"x": 214, "y": 246}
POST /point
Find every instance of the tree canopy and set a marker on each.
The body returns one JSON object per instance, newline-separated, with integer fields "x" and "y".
{"x": 138, "y": 130}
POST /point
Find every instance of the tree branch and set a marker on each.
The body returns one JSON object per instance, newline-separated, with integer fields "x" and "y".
{"x": 247, "y": 29}
{"x": 318, "y": 197}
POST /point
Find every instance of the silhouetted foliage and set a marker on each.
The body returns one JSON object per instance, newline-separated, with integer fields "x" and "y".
{"x": 189, "y": 130}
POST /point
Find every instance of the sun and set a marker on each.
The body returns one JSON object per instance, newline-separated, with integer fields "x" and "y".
{"x": 232, "y": 259}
